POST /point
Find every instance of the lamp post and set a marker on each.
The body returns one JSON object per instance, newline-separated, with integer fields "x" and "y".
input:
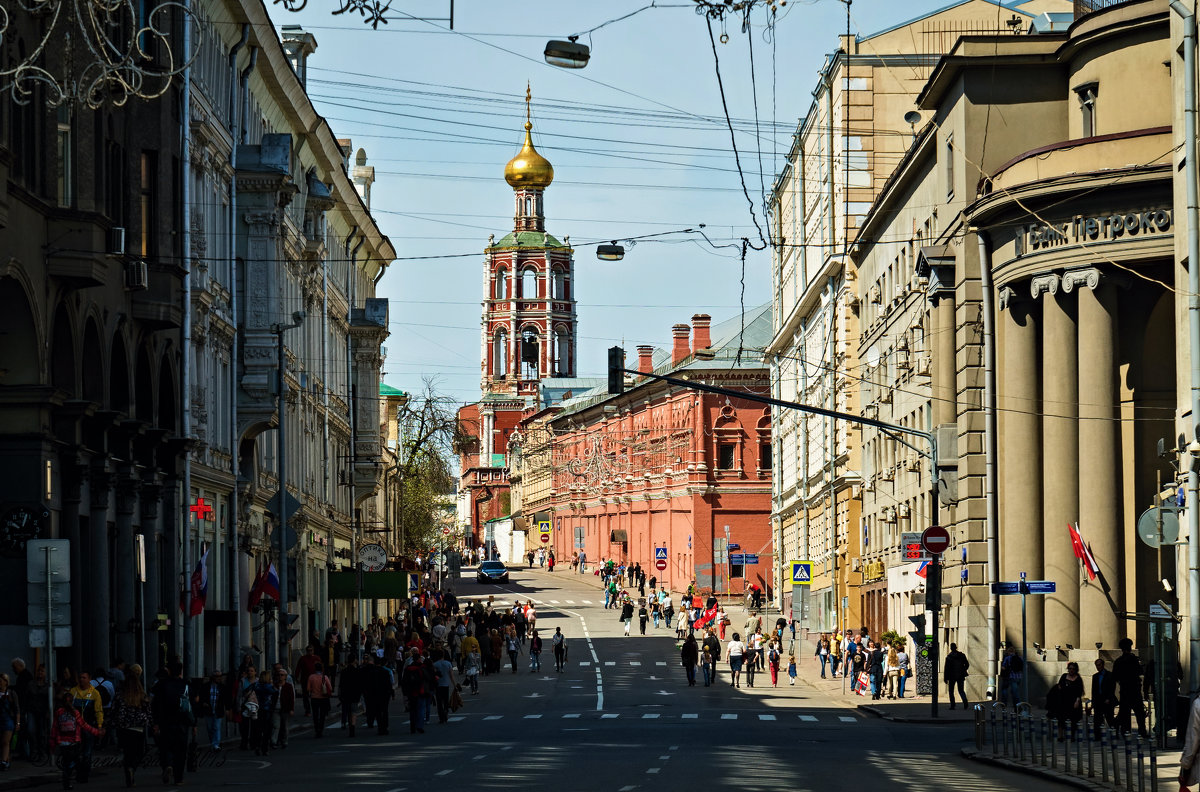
{"x": 281, "y": 450}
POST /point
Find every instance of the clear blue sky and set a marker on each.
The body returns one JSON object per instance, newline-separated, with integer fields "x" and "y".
{"x": 637, "y": 139}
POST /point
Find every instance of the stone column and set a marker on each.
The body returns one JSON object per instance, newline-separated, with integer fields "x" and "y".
{"x": 944, "y": 384}
{"x": 1060, "y": 460}
{"x": 75, "y": 503}
{"x": 1020, "y": 456}
{"x": 125, "y": 570}
{"x": 151, "y": 502}
{"x": 98, "y": 610}
{"x": 1099, "y": 455}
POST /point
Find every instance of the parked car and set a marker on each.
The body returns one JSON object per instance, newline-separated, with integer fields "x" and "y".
{"x": 492, "y": 572}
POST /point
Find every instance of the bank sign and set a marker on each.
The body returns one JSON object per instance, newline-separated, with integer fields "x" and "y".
{"x": 1085, "y": 229}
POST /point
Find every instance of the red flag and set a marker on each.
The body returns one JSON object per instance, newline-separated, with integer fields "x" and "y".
{"x": 200, "y": 585}
{"x": 1089, "y": 560}
{"x": 256, "y": 590}
{"x": 1076, "y": 541}
{"x": 922, "y": 570}
{"x": 705, "y": 618}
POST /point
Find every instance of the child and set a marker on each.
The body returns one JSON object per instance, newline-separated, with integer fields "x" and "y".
{"x": 66, "y": 736}
{"x": 791, "y": 669}
{"x": 474, "y": 663}
{"x": 706, "y": 666}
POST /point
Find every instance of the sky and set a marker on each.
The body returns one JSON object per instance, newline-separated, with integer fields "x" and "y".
{"x": 638, "y": 139}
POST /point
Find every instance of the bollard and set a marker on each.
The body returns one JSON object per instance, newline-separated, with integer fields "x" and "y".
{"x": 1004, "y": 731}
{"x": 1141, "y": 765}
{"x": 1153, "y": 764}
{"x": 1054, "y": 745}
{"x": 992, "y": 716}
{"x": 1114, "y": 744}
{"x": 1042, "y": 737}
{"x": 1128, "y": 764}
{"x": 1104, "y": 754}
{"x": 1065, "y": 735}
{"x": 978, "y": 727}
{"x": 1022, "y": 727}
{"x": 1091, "y": 753}
{"x": 1079, "y": 751}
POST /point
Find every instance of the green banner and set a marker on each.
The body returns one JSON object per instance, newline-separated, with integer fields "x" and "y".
{"x": 376, "y": 585}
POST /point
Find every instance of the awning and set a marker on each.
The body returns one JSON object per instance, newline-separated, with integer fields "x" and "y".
{"x": 618, "y": 535}
{"x": 521, "y": 524}
{"x": 376, "y": 585}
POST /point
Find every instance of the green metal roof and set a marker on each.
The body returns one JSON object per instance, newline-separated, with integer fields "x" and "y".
{"x": 388, "y": 390}
{"x": 528, "y": 239}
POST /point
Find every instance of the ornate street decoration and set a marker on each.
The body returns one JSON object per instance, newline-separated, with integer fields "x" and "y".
{"x": 105, "y": 55}
{"x": 597, "y": 466}
{"x": 18, "y": 525}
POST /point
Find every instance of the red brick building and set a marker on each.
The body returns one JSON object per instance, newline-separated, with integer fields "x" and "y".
{"x": 660, "y": 466}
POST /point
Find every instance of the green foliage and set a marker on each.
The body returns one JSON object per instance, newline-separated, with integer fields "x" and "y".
{"x": 891, "y": 637}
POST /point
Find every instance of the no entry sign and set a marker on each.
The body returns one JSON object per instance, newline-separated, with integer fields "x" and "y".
{"x": 660, "y": 564}
{"x": 935, "y": 540}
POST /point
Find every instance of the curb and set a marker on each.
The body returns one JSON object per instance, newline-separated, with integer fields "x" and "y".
{"x": 879, "y": 712}
{"x": 1050, "y": 775}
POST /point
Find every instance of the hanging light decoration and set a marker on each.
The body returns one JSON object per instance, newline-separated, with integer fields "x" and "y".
{"x": 92, "y": 53}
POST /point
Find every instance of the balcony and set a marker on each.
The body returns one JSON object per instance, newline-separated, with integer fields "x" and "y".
{"x": 1094, "y": 155}
{"x": 1085, "y": 7}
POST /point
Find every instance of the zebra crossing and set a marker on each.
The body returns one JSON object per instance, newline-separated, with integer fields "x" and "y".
{"x": 765, "y": 717}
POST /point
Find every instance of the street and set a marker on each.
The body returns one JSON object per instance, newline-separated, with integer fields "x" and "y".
{"x": 620, "y": 717}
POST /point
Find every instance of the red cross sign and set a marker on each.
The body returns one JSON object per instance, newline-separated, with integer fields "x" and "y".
{"x": 202, "y": 510}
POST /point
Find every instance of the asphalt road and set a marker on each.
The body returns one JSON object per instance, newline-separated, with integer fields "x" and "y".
{"x": 620, "y": 718}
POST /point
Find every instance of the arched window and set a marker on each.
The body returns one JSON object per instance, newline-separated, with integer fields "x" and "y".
{"x": 500, "y": 353}
{"x": 501, "y": 283}
{"x": 562, "y": 353}
{"x": 560, "y": 285}
{"x": 529, "y": 283}
{"x": 528, "y": 207}
{"x": 529, "y": 354}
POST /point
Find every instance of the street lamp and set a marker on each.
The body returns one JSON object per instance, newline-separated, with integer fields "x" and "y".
{"x": 278, "y": 329}
{"x": 610, "y": 252}
{"x": 569, "y": 54}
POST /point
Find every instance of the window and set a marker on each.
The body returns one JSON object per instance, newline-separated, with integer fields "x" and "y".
{"x": 529, "y": 354}
{"x": 949, "y": 166}
{"x": 561, "y": 353}
{"x": 528, "y": 207}
{"x": 560, "y": 285}
{"x": 726, "y": 456}
{"x": 66, "y": 188}
{"x": 1087, "y": 107}
{"x": 501, "y": 283}
{"x": 529, "y": 283}
{"x": 764, "y": 456}
{"x": 500, "y": 353}
{"x": 147, "y": 203}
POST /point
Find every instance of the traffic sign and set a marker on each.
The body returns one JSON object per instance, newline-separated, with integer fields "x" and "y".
{"x": 1039, "y": 587}
{"x": 734, "y": 546}
{"x": 660, "y": 564}
{"x": 660, "y": 553}
{"x": 910, "y": 547}
{"x": 1030, "y": 587}
{"x": 372, "y": 557}
{"x": 545, "y": 538}
{"x": 544, "y": 526}
{"x": 801, "y": 573}
{"x": 446, "y": 530}
{"x": 750, "y": 558}
{"x": 1002, "y": 588}
{"x": 935, "y": 540}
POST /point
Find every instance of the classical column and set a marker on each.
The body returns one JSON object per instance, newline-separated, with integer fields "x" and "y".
{"x": 944, "y": 381}
{"x": 1060, "y": 460}
{"x": 1099, "y": 456}
{"x": 74, "y": 477}
{"x": 98, "y": 612}
{"x": 1020, "y": 460}
{"x": 125, "y": 570}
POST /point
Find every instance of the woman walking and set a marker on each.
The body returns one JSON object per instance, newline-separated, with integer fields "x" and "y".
{"x": 627, "y": 615}
{"x": 10, "y": 719}
{"x": 734, "y": 654}
{"x": 706, "y": 665}
{"x": 319, "y": 689}
{"x": 690, "y": 655}
{"x": 773, "y": 662}
{"x": 132, "y": 716}
{"x": 892, "y": 670}
{"x": 1065, "y": 701}
{"x": 67, "y": 728}
{"x": 535, "y": 652}
{"x": 823, "y": 652}
{"x": 905, "y": 672}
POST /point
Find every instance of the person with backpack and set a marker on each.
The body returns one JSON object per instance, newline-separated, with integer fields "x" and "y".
{"x": 559, "y": 642}
{"x": 319, "y": 691}
{"x": 266, "y": 696}
{"x": 89, "y": 704}
{"x": 172, "y": 712}
{"x": 67, "y": 730}
{"x": 107, "y": 690}
{"x": 773, "y": 658}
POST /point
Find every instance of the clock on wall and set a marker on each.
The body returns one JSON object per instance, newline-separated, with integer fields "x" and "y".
{"x": 20, "y": 524}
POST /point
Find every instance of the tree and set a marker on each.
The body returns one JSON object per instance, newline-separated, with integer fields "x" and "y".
{"x": 420, "y": 480}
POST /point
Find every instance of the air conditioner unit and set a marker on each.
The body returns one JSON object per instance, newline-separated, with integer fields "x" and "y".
{"x": 923, "y": 365}
{"x": 885, "y": 397}
{"x": 875, "y": 295}
{"x": 912, "y": 463}
{"x": 137, "y": 276}
{"x": 902, "y": 359}
{"x": 116, "y": 241}
{"x": 884, "y": 474}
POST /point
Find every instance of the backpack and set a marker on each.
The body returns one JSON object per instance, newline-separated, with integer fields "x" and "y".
{"x": 68, "y": 727}
{"x": 250, "y": 704}
{"x": 104, "y": 688}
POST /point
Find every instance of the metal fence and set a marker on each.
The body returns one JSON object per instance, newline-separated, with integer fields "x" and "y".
{"x": 1119, "y": 761}
{"x": 1083, "y": 7}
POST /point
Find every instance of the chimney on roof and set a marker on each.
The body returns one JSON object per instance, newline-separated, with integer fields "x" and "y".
{"x": 363, "y": 176}
{"x": 298, "y": 44}
{"x": 700, "y": 335}
{"x": 645, "y": 359}
{"x": 680, "y": 349}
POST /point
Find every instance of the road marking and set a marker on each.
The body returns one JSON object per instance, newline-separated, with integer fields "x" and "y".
{"x": 493, "y": 717}
{"x": 635, "y": 662}
{"x": 571, "y": 715}
{"x": 847, "y": 719}
{"x": 729, "y": 716}
{"x": 553, "y": 602}
{"x": 587, "y": 602}
{"x": 628, "y": 788}
{"x": 585, "y": 663}
{"x": 443, "y": 772}
{"x": 808, "y": 718}
{"x": 689, "y": 715}
{"x": 652, "y": 770}
{"x": 661, "y": 663}
{"x": 766, "y": 717}
{"x": 608, "y": 715}
{"x": 456, "y": 718}
{"x": 534, "y": 716}
{"x": 664, "y": 756}
{"x": 477, "y": 757}
{"x": 570, "y": 602}
{"x": 506, "y": 747}
{"x": 609, "y": 663}
{"x": 673, "y": 748}
{"x": 650, "y": 716}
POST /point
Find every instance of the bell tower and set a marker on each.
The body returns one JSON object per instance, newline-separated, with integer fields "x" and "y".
{"x": 529, "y": 322}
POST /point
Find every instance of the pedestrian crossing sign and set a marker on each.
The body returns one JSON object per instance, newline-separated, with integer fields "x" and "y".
{"x": 801, "y": 573}
{"x": 544, "y": 526}
{"x": 660, "y": 553}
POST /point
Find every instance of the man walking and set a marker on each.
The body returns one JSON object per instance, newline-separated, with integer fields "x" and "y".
{"x": 170, "y": 722}
{"x": 87, "y": 700}
{"x": 1127, "y": 674}
{"x": 285, "y": 706}
{"x": 304, "y": 667}
{"x": 215, "y": 705}
{"x": 559, "y": 642}
{"x": 1103, "y": 696}
{"x": 349, "y": 692}
{"x": 955, "y": 674}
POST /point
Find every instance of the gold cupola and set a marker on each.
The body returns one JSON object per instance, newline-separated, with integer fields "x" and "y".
{"x": 528, "y": 168}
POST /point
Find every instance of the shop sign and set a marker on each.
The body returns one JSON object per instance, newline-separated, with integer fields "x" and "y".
{"x": 874, "y": 570}
{"x": 1083, "y": 229}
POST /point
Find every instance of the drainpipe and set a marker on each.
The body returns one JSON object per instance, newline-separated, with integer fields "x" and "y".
{"x": 991, "y": 520}
{"x": 351, "y": 393}
{"x": 246, "y": 94}
{"x": 234, "y": 561}
{"x": 1192, "y": 510}
{"x": 185, "y": 376}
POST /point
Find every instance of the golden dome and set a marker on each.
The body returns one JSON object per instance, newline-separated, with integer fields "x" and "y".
{"x": 528, "y": 168}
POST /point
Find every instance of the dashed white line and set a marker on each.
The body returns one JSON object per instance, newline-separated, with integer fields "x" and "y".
{"x": 585, "y": 663}
{"x": 477, "y": 757}
{"x": 766, "y": 717}
{"x": 635, "y": 662}
{"x": 689, "y": 716}
{"x": 609, "y": 663}
{"x": 608, "y": 715}
{"x": 652, "y": 770}
{"x": 650, "y": 715}
{"x": 808, "y": 718}
{"x": 570, "y": 602}
{"x": 587, "y": 602}
{"x": 847, "y": 719}
{"x": 493, "y": 717}
{"x": 571, "y": 715}
{"x": 628, "y": 788}
{"x": 664, "y": 757}
{"x": 456, "y": 718}
{"x": 443, "y": 772}
{"x": 729, "y": 716}
{"x": 534, "y": 716}
{"x": 661, "y": 663}
{"x": 673, "y": 748}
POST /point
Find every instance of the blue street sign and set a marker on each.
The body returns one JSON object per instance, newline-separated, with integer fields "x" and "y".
{"x": 801, "y": 573}
{"x": 750, "y": 558}
{"x": 1006, "y": 588}
{"x": 1040, "y": 586}
{"x": 737, "y": 558}
{"x": 660, "y": 552}
{"x": 734, "y": 546}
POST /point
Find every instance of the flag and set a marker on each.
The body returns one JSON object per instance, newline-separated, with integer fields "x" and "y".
{"x": 706, "y": 618}
{"x": 199, "y": 585}
{"x": 1083, "y": 552}
{"x": 922, "y": 570}
{"x": 270, "y": 584}
{"x": 256, "y": 591}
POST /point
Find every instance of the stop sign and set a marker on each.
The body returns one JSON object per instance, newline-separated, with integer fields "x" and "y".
{"x": 660, "y": 564}
{"x": 545, "y": 538}
{"x": 935, "y": 540}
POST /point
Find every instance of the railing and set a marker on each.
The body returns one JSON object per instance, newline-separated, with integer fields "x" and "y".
{"x": 1084, "y": 7}
{"x": 1119, "y": 761}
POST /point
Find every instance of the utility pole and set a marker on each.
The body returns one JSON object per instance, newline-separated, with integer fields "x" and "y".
{"x": 281, "y": 445}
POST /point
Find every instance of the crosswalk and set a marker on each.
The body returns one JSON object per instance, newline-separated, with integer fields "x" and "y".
{"x": 763, "y": 717}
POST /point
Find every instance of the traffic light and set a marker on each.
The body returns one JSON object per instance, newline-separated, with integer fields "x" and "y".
{"x": 293, "y": 573}
{"x": 616, "y": 373}
{"x": 918, "y": 635}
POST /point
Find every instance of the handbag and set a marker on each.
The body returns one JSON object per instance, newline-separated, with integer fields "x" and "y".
{"x": 908, "y": 673}
{"x": 456, "y": 700}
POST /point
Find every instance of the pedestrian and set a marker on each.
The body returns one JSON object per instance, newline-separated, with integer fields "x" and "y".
{"x": 349, "y": 693}
{"x": 1104, "y": 700}
{"x": 304, "y": 667}
{"x": 87, "y": 701}
{"x": 735, "y": 651}
{"x": 954, "y": 673}
{"x": 247, "y": 705}
{"x": 643, "y": 615}
{"x": 25, "y": 726}
{"x": 902, "y": 660}
{"x": 1064, "y": 701}
{"x": 722, "y": 622}
{"x": 266, "y": 694}
{"x": 319, "y": 689}
{"x": 10, "y": 719}
{"x": 681, "y": 624}
{"x": 749, "y": 659}
{"x": 1012, "y": 673}
{"x": 1189, "y": 768}
{"x": 214, "y": 706}
{"x": 559, "y": 642}
{"x": 713, "y": 645}
{"x": 1127, "y": 671}
{"x": 377, "y": 692}
{"x": 706, "y": 664}
{"x": 822, "y": 652}
{"x": 67, "y": 728}
{"x": 443, "y": 670}
{"x": 535, "y": 652}
{"x": 285, "y": 707}
{"x": 791, "y": 669}
{"x": 655, "y": 609}
{"x": 627, "y": 616}
{"x": 132, "y": 716}
{"x": 513, "y": 646}
{"x": 773, "y": 658}
{"x": 172, "y": 720}
{"x": 690, "y": 655}
{"x": 891, "y": 672}
{"x": 412, "y": 684}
